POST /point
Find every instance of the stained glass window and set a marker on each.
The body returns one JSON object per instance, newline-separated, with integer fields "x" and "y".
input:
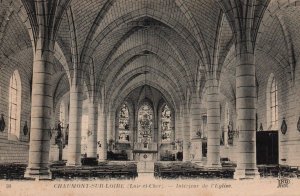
{"x": 166, "y": 124}
{"x": 62, "y": 114}
{"x": 124, "y": 124}
{"x": 145, "y": 126}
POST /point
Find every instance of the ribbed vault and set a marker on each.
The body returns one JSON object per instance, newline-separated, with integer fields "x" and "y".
{"x": 174, "y": 42}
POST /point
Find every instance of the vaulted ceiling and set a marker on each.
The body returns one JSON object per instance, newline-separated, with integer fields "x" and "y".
{"x": 166, "y": 44}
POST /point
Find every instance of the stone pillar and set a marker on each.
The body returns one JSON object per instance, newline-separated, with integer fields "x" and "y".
{"x": 155, "y": 138}
{"x": 178, "y": 126}
{"x": 196, "y": 124}
{"x": 131, "y": 133}
{"x": 132, "y": 129}
{"x": 204, "y": 125}
{"x": 66, "y": 123}
{"x": 92, "y": 134}
{"x": 136, "y": 127}
{"x": 246, "y": 114}
{"x": 102, "y": 134}
{"x": 226, "y": 136}
{"x": 135, "y": 134}
{"x": 197, "y": 148}
{"x": 41, "y": 110}
{"x": 173, "y": 121}
{"x": 65, "y": 130}
{"x": 158, "y": 132}
{"x": 226, "y": 124}
{"x": 186, "y": 136}
{"x": 116, "y": 127}
{"x": 74, "y": 146}
{"x": 109, "y": 126}
{"x": 195, "y": 115}
{"x": 213, "y": 123}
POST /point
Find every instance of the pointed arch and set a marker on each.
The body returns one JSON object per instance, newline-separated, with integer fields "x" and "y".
{"x": 15, "y": 96}
{"x": 272, "y": 103}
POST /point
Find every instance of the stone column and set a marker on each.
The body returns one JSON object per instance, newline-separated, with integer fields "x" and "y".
{"x": 226, "y": 124}
{"x": 109, "y": 126}
{"x": 66, "y": 129}
{"x": 159, "y": 132}
{"x": 132, "y": 129}
{"x": 246, "y": 113}
{"x": 102, "y": 134}
{"x": 195, "y": 115}
{"x": 196, "y": 124}
{"x": 136, "y": 126}
{"x": 178, "y": 126}
{"x": 74, "y": 146}
{"x": 66, "y": 124}
{"x": 226, "y": 135}
{"x": 135, "y": 134}
{"x": 173, "y": 121}
{"x": 116, "y": 127}
{"x": 92, "y": 134}
{"x": 186, "y": 136}
{"x": 41, "y": 111}
{"x": 156, "y": 134}
{"x": 213, "y": 123}
{"x": 204, "y": 125}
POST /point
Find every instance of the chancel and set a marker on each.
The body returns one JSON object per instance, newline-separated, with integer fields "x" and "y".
{"x": 167, "y": 88}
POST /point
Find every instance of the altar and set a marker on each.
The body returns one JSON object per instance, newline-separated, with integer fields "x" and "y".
{"x": 145, "y": 152}
{"x": 146, "y": 155}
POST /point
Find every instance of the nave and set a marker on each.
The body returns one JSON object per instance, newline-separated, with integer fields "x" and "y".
{"x": 114, "y": 88}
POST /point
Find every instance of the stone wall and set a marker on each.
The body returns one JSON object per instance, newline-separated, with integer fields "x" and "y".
{"x": 14, "y": 150}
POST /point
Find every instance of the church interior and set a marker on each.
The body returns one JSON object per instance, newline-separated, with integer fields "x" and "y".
{"x": 190, "y": 88}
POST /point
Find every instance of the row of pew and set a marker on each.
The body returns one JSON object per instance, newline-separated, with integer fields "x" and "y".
{"x": 188, "y": 170}
{"x": 107, "y": 170}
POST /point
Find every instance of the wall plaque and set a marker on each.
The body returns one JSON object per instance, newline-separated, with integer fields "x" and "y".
{"x": 2, "y": 123}
{"x": 283, "y": 127}
{"x": 298, "y": 124}
{"x": 25, "y": 129}
{"x": 261, "y": 128}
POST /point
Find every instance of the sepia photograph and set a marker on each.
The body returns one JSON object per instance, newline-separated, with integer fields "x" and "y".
{"x": 149, "y": 97}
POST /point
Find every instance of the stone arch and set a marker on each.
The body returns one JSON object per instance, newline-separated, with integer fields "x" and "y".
{"x": 162, "y": 81}
{"x": 269, "y": 111}
{"x": 129, "y": 88}
{"x": 117, "y": 64}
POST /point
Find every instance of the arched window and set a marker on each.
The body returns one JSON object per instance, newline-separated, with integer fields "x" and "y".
{"x": 124, "y": 124}
{"x": 166, "y": 124}
{"x": 272, "y": 103}
{"x": 14, "y": 106}
{"x": 62, "y": 113}
{"x": 145, "y": 126}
